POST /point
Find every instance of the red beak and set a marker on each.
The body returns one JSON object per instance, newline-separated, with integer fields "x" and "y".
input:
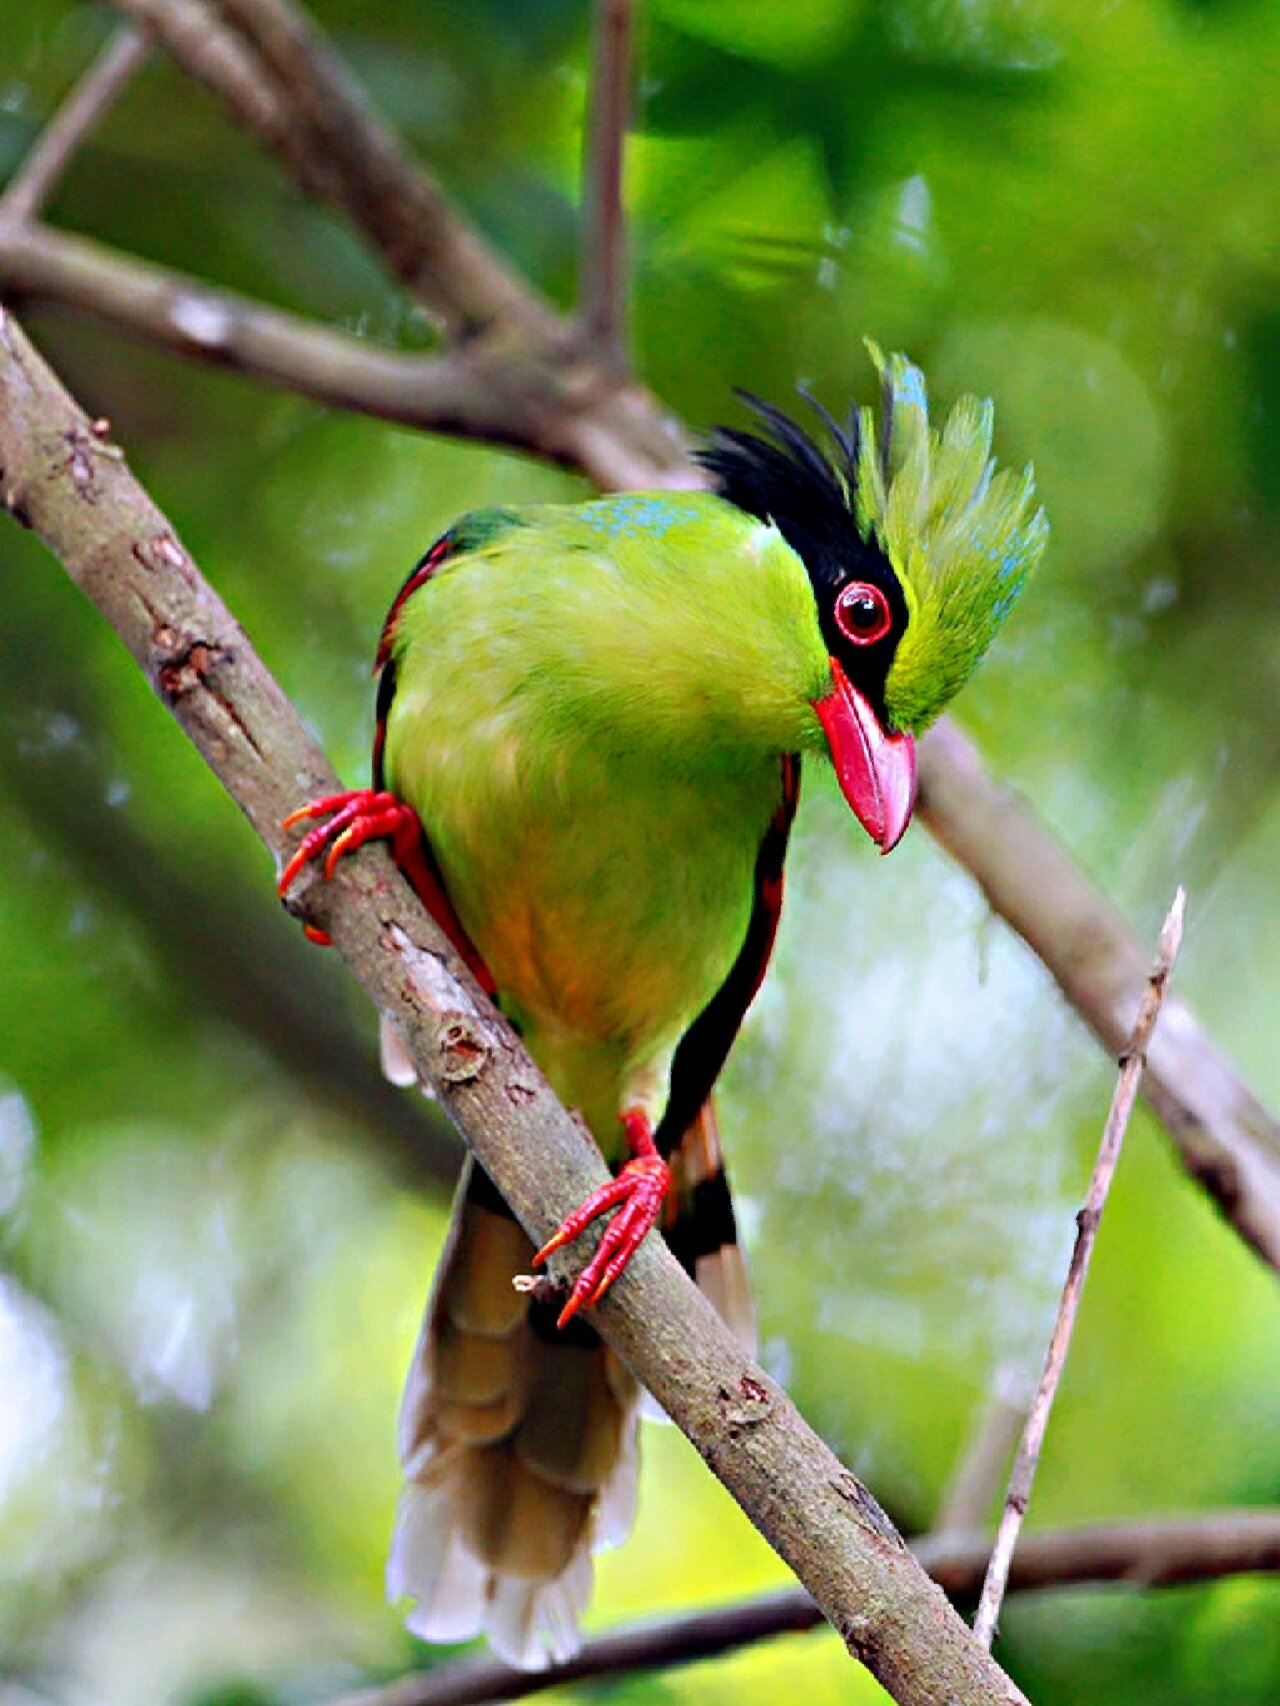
{"x": 876, "y": 770}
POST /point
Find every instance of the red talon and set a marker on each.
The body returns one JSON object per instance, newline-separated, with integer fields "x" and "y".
{"x": 357, "y": 817}
{"x": 638, "y": 1193}
{"x": 369, "y": 814}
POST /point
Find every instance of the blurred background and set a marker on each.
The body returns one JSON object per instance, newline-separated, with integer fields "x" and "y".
{"x": 217, "y": 1226}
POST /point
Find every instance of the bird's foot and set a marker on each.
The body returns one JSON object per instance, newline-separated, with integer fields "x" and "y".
{"x": 360, "y": 815}
{"x": 638, "y": 1193}
{"x": 372, "y": 814}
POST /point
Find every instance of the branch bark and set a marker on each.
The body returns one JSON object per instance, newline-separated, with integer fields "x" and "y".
{"x": 59, "y": 476}
{"x": 1148, "y": 1554}
{"x": 471, "y": 392}
{"x": 273, "y": 70}
{"x": 278, "y": 77}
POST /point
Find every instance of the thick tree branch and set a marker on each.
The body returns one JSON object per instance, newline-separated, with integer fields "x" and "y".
{"x": 471, "y": 392}
{"x": 97, "y": 91}
{"x": 1148, "y": 1554}
{"x": 59, "y": 477}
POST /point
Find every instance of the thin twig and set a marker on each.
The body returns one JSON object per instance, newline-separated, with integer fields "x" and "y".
{"x": 604, "y": 228}
{"x": 92, "y": 98}
{"x": 1132, "y": 1062}
{"x": 1147, "y": 1554}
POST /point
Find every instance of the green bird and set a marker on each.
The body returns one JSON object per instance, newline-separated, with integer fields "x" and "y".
{"x": 590, "y": 725}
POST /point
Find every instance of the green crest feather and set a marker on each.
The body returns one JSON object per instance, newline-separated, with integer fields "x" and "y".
{"x": 962, "y": 535}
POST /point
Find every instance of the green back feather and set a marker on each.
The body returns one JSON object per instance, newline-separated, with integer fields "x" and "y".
{"x": 962, "y": 535}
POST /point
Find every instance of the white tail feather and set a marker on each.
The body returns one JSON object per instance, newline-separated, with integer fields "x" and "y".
{"x": 431, "y": 1564}
{"x": 520, "y": 1456}
{"x": 529, "y": 1622}
{"x": 535, "y": 1624}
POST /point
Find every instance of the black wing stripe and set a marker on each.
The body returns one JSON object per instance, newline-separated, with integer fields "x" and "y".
{"x": 704, "y": 1048}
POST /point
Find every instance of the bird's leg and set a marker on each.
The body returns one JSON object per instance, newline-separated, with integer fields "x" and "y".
{"x": 638, "y": 1193}
{"x": 369, "y": 814}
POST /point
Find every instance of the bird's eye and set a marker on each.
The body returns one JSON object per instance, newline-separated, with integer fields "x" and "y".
{"x": 862, "y": 613}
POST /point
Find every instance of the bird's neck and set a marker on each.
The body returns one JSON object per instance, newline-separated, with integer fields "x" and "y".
{"x": 713, "y": 660}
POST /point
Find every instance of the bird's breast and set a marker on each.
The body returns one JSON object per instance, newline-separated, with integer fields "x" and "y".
{"x": 609, "y": 894}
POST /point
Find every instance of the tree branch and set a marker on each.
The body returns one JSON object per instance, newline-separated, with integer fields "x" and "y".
{"x": 278, "y": 77}
{"x": 1132, "y": 1062}
{"x": 1148, "y": 1554}
{"x": 219, "y": 954}
{"x": 471, "y": 392}
{"x": 97, "y": 91}
{"x": 59, "y": 477}
{"x": 474, "y": 391}
{"x": 1226, "y": 1139}
{"x": 602, "y": 310}
{"x": 275, "y": 72}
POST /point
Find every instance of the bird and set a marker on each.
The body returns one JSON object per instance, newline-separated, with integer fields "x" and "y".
{"x": 590, "y": 725}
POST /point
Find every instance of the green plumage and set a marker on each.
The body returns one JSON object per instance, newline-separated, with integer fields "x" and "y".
{"x": 591, "y": 703}
{"x": 588, "y": 718}
{"x": 962, "y": 535}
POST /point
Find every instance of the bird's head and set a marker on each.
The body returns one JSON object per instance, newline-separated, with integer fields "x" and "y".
{"x": 916, "y": 548}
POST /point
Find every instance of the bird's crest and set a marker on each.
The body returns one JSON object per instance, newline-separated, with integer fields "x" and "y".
{"x": 788, "y": 478}
{"x": 891, "y": 494}
{"x": 962, "y": 534}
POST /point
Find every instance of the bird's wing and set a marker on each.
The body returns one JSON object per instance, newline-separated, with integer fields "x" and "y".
{"x": 702, "y": 1230}
{"x": 705, "y": 1046}
{"x": 421, "y": 866}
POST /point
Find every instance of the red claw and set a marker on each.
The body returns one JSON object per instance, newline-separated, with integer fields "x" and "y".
{"x": 362, "y": 815}
{"x": 370, "y": 814}
{"x": 638, "y": 1193}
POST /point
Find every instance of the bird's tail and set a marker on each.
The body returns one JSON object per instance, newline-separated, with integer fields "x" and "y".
{"x": 702, "y": 1229}
{"x": 519, "y": 1451}
{"x": 518, "y": 1440}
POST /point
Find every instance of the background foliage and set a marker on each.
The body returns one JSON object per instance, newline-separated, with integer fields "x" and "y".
{"x": 216, "y": 1228}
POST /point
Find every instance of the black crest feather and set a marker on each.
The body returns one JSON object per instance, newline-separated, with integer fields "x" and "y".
{"x": 787, "y": 477}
